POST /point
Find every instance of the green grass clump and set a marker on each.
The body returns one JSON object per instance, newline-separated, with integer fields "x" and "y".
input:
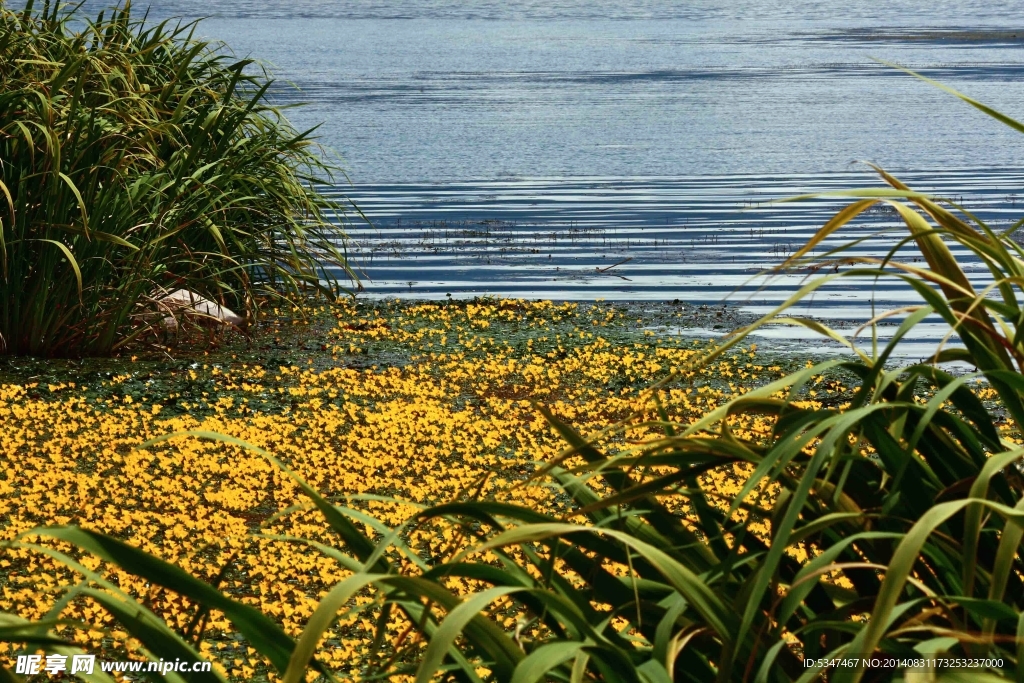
{"x": 136, "y": 160}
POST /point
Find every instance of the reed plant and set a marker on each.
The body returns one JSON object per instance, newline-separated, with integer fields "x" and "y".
{"x": 136, "y": 159}
{"x": 886, "y": 527}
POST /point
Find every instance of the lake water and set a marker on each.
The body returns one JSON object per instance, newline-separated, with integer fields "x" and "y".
{"x": 580, "y": 149}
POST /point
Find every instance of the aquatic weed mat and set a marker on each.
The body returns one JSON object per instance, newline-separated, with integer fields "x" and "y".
{"x": 384, "y": 407}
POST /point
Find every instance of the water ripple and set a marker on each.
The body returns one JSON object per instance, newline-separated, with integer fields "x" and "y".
{"x": 701, "y": 239}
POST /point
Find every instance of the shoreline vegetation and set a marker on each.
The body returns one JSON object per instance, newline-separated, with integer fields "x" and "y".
{"x": 487, "y": 490}
{"x": 419, "y": 403}
{"x": 138, "y": 161}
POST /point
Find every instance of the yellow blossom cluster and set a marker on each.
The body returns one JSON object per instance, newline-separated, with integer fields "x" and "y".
{"x": 403, "y": 406}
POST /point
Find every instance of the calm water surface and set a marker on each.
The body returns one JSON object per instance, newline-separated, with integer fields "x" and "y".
{"x": 419, "y": 91}
{"x": 575, "y": 149}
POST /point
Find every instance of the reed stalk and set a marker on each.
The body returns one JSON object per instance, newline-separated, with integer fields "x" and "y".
{"x": 135, "y": 160}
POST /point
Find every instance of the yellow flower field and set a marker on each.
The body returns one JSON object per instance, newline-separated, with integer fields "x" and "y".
{"x": 397, "y": 407}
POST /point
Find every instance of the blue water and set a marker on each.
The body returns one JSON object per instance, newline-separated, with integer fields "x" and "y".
{"x": 419, "y": 91}
{"x": 700, "y": 238}
{"x": 520, "y": 148}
